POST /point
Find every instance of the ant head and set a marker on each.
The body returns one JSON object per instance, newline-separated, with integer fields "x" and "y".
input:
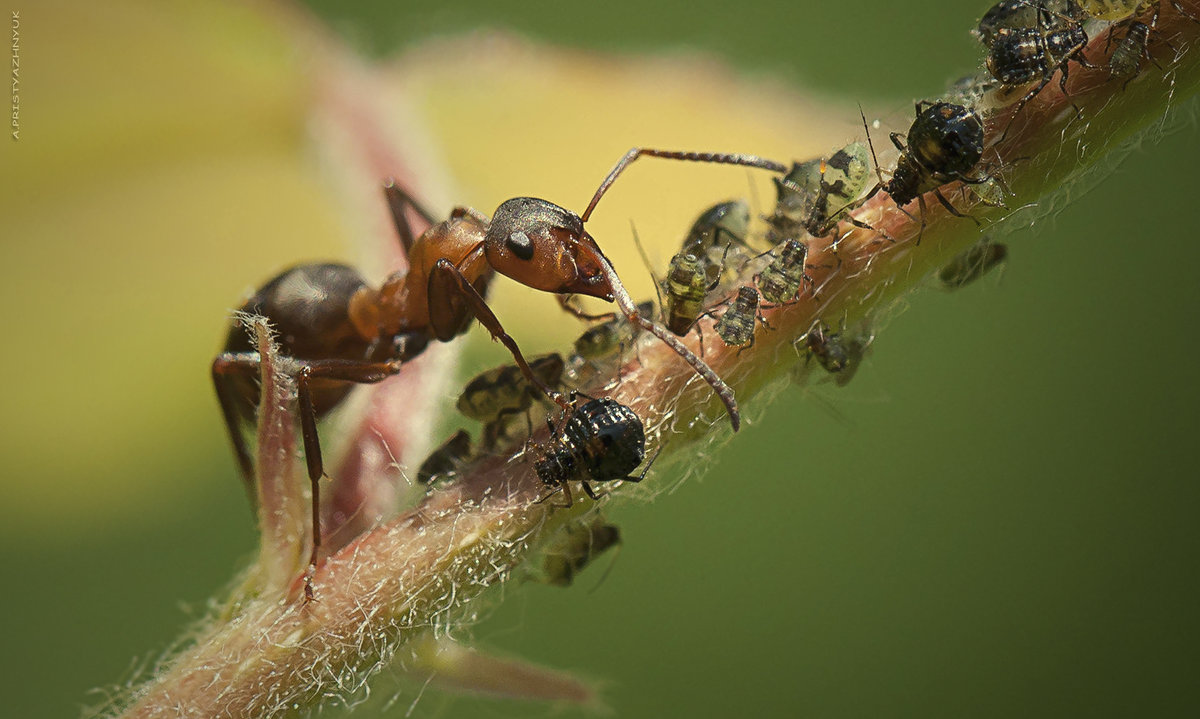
{"x": 544, "y": 246}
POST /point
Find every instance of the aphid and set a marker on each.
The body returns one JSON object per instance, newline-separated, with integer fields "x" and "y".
{"x": 447, "y": 459}
{"x": 736, "y": 326}
{"x": 780, "y": 281}
{"x": 686, "y": 286}
{"x": 1022, "y": 14}
{"x": 600, "y": 441}
{"x": 970, "y": 90}
{"x": 715, "y": 233}
{"x": 1127, "y": 57}
{"x": 815, "y": 195}
{"x": 696, "y": 269}
{"x": 972, "y": 264}
{"x": 605, "y": 339}
{"x": 1116, "y": 10}
{"x": 579, "y": 544}
{"x": 339, "y": 331}
{"x": 1021, "y": 55}
{"x": 492, "y": 396}
{"x": 944, "y": 144}
{"x": 839, "y": 356}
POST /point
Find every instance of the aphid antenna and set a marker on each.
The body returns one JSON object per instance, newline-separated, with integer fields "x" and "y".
{"x": 755, "y": 200}
{"x": 637, "y": 242}
{"x": 879, "y": 174}
{"x": 874, "y": 157}
{"x": 608, "y": 570}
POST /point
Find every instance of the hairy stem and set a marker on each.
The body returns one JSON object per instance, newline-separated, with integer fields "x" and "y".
{"x": 396, "y": 582}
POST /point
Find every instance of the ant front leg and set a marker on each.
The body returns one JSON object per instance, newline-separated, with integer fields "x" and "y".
{"x": 448, "y": 284}
{"x": 399, "y": 201}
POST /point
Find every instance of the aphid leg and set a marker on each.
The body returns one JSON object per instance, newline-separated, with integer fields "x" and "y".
{"x": 446, "y": 278}
{"x": 924, "y": 210}
{"x": 718, "y": 158}
{"x": 591, "y": 492}
{"x": 645, "y": 470}
{"x": 864, "y": 226}
{"x": 745, "y": 347}
{"x": 564, "y": 301}
{"x": 1021, "y": 104}
{"x": 399, "y": 200}
{"x": 1179, "y": 8}
{"x": 951, "y": 209}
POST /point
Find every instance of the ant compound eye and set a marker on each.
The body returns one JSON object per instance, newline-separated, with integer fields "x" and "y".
{"x": 520, "y": 245}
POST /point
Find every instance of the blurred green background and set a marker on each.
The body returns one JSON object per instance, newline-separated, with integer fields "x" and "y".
{"x": 998, "y": 518}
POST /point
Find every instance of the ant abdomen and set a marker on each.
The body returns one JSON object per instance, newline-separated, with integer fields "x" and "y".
{"x": 308, "y": 306}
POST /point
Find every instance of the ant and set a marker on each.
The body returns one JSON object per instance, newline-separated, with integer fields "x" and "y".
{"x": 599, "y": 441}
{"x": 944, "y": 144}
{"x": 340, "y": 331}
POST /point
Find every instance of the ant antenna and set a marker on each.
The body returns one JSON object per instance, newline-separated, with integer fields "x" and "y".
{"x": 629, "y": 309}
{"x": 719, "y": 158}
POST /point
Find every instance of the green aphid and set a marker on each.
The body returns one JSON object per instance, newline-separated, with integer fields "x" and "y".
{"x": 736, "y": 327}
{"x": 781, "y": 280}
{"x": 603, "y": 340}
{"x": 815, "y": 195}
{"x": 686, "y": 286}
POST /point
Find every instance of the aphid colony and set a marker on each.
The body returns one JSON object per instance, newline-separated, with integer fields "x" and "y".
{"x": 338, "y": 331}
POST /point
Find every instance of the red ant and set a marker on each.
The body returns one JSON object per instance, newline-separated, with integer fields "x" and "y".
{"x": 339, "y": 331}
